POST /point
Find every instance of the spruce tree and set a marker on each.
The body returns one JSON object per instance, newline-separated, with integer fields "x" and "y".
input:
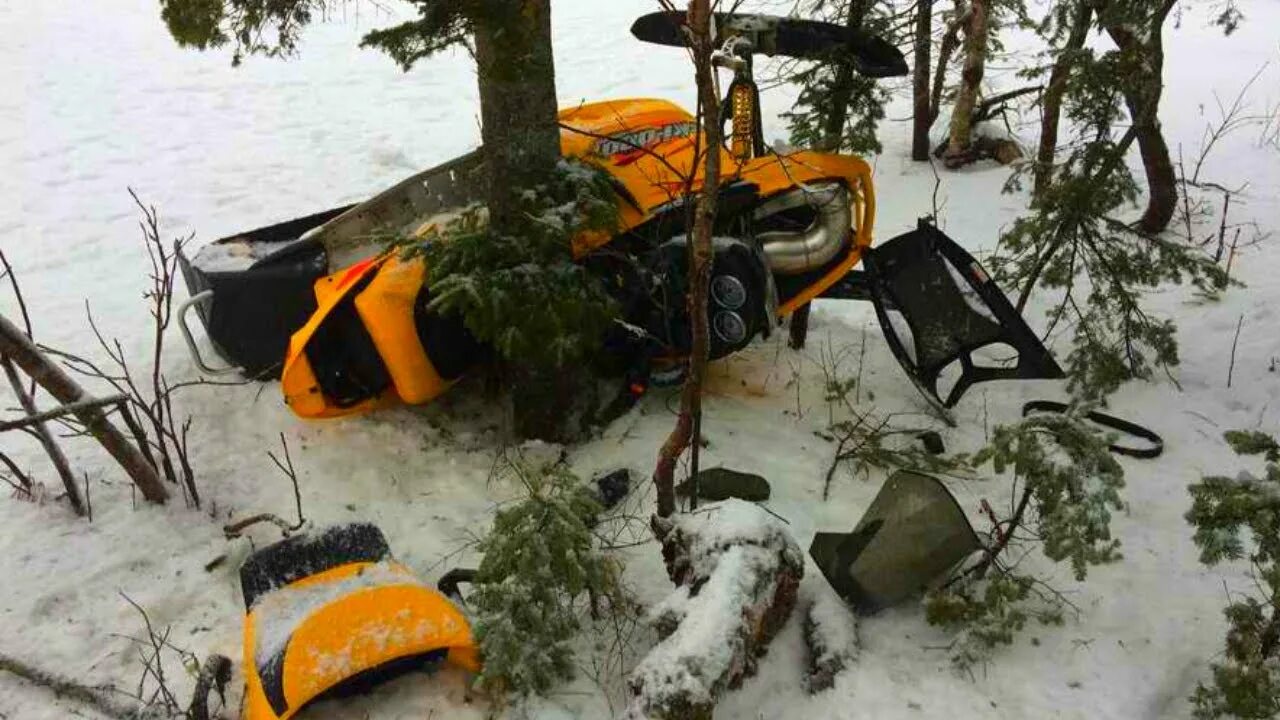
{"x": 1074, "y": 243}
{"x": 541, "y": 574}
{"x": 1066, "y": 485}
{"x": 839, "y": 110}
{"x": 1246, "y": 683}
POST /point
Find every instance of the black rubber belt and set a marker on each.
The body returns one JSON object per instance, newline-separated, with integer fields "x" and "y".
{"x": 1108, "y": 421}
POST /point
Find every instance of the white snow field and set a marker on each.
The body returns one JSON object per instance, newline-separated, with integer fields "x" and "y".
{"x": 97, "y": 98}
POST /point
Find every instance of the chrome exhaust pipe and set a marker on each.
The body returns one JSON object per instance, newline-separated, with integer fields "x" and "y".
{"x": 795, "y": 252}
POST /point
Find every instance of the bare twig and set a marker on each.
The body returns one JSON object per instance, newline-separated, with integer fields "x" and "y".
{"x": 23, "y": 480}
{"x": 24, "y": 353}
{"x": 51, "y": 448}
{"x": 22, "y": 306}
{"x": 1231, "y": 369}
{"x": 1231, "y": 119}
{"x": 153, "y": 665}
{"x": 287, "y": 468}
{"x": 65, "y": 687}
{"x": 58, "y": 412}
{"x": 236, "y": 529}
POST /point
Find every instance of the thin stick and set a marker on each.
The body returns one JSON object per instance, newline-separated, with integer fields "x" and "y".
{"x": 51, "y": 447}
{"x": 287, "y": 469}
{"x": 52, "y": 378}
{"x": 22, "y": 306}
{"x": 62, "y": 686}
{"x": 1231, "y": 369}
{"x": 68, "y": 409}
{"x": 23, "y": 479}
{"x": 236, "y": 529}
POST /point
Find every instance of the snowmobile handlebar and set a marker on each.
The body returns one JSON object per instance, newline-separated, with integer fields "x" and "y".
{"x": 192, "y": 348}
{"x": 449, "y": 582}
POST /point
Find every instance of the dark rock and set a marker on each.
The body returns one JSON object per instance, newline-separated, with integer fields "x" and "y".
{"x": 932, "y": 442}
{"x": 723, "y": 483}
{"x": 613, "y": 487}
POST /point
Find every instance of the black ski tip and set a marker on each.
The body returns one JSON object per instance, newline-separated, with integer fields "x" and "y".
{"x": 661, "y": 28}
{"x": 872, "y": 55}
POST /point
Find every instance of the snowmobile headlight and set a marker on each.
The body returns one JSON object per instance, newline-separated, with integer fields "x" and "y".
{"x": 729, "y": 327}
{"x": 728, "y": 292}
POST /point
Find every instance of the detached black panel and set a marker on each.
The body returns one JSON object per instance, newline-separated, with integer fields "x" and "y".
{"x": 952, "y": 308}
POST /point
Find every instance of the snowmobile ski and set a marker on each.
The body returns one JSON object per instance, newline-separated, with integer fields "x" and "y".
{"x": 792, "y": 37}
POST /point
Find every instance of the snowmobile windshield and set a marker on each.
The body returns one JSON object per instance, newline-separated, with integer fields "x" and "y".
{"x": 913, "y": 533}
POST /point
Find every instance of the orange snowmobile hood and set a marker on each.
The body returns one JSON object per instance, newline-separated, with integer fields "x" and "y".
{"x": 649, "y": 145}
{"x": 320, "y": 622}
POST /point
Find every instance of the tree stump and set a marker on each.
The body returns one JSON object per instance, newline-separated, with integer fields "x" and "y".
{"x": 737, "y": 570}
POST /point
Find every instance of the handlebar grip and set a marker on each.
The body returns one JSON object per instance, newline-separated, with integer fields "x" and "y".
{"x": 449, "y": 582}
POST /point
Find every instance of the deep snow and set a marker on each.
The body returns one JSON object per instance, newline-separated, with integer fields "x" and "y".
{"x": 98, "y": 98}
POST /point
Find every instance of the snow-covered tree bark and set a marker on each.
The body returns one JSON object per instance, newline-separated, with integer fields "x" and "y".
{"x": 737, "y": 570}
{"x": 1142, "y": 45}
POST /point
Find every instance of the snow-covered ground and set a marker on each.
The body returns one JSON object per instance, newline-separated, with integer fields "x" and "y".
{"x": 97, "y": 98}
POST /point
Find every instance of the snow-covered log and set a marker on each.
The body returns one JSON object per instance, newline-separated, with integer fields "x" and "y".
{"x": 737, "y": 570}
{"x": 831, "y": 635}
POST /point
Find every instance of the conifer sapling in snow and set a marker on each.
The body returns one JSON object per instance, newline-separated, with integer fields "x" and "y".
{"x": 540, "y": 574}
{"x": 1066, "y": 484}
{"x": 1246, "y": 682}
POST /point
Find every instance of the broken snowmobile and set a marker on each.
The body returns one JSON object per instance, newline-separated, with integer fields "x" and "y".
{"x": 348, "y": 327}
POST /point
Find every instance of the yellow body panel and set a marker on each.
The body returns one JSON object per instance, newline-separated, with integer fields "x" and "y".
{"x": 298, "y": 380}
{"x": 386, "y": 309}
{"x": 392, "y": 616}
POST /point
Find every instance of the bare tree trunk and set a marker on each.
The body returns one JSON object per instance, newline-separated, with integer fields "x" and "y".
{"x": 842, "y": 87}
{"x": 519, "y": 126}
{"x": 700, "y": 268}
{"x": 922, "y": 117}
{"x": 975, "y": 60}
{"x": 1051, "y": 110}
{"x": 950, "y": 40}
{"x": 1146, "y": 59}
{"x": 46, "y": 438}
{"x": 17, "y": 347}
{"x": 517, "y": 79}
